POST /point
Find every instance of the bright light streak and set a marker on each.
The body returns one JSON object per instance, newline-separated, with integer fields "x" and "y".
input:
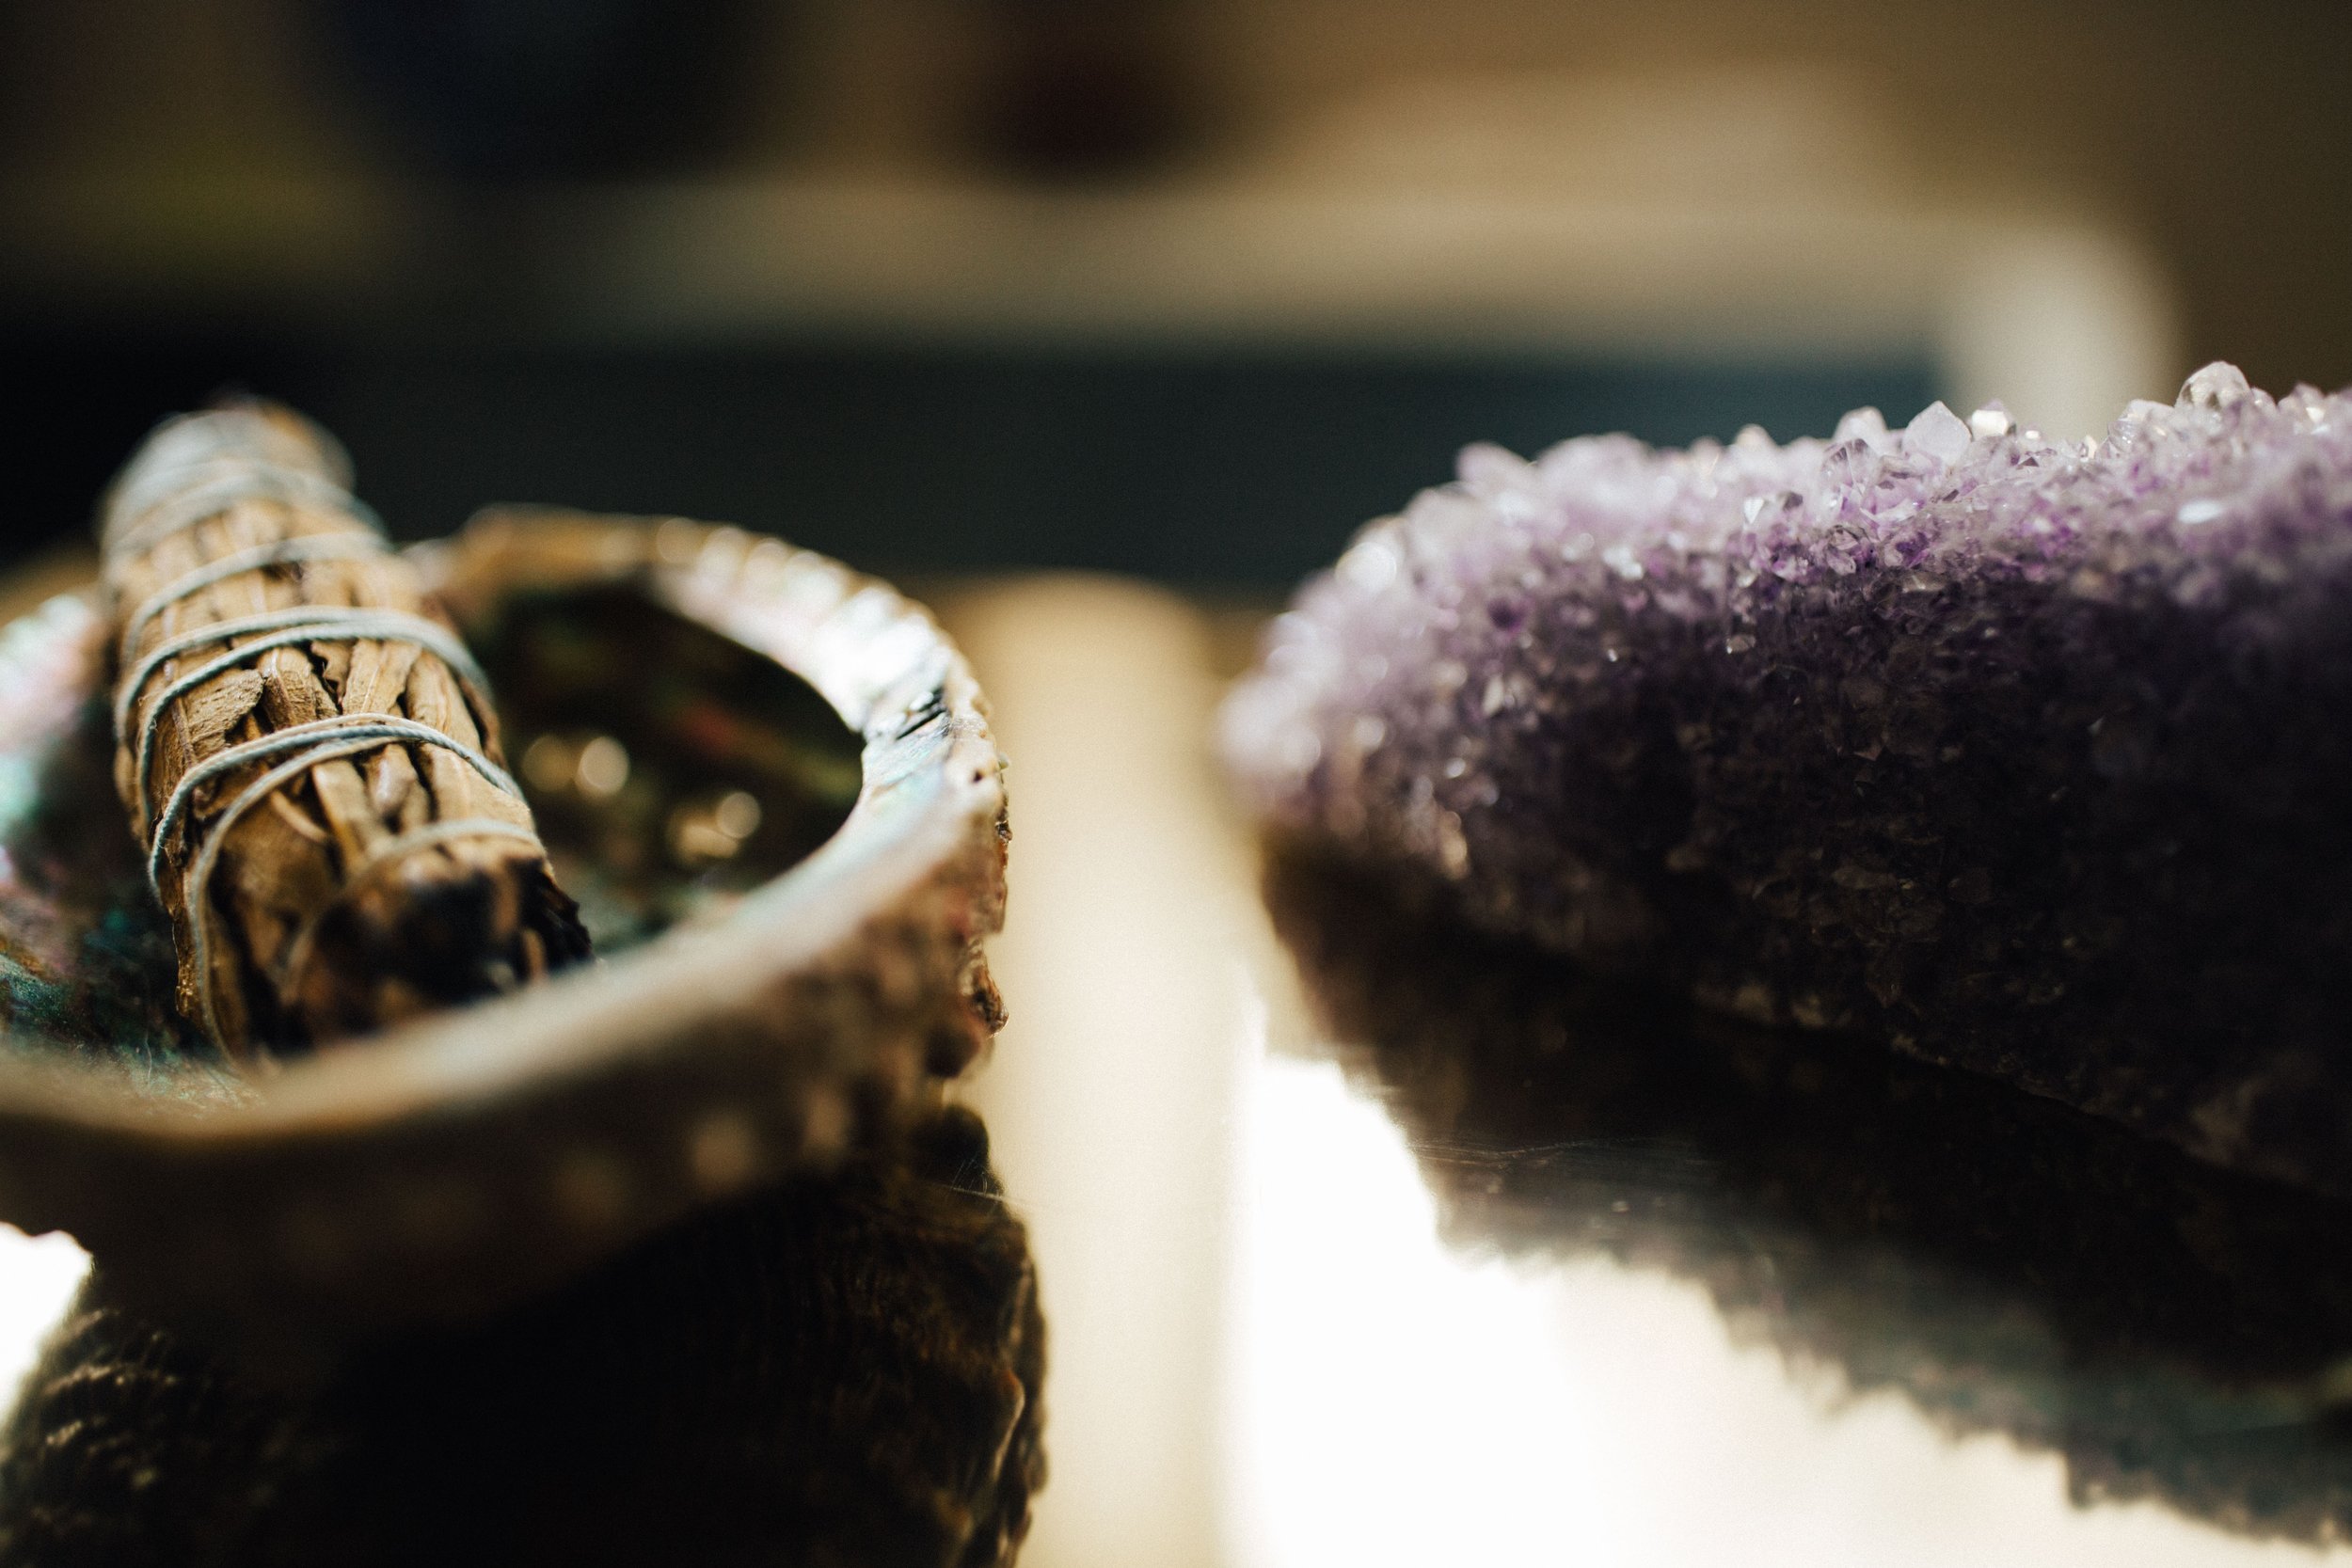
{"x": 1399, "y": 1400}
{"x": 39, "y": 1276}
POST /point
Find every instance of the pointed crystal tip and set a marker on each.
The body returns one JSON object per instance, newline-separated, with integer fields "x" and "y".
{"x": 2217, "y": 386}
{"x": 1992, "y": 420}
{"x": 1937, "y": 431}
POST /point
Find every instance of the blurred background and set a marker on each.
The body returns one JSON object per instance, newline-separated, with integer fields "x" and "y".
{"x": 1187, "y": 288}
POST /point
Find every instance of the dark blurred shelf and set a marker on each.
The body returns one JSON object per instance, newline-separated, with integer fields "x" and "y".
{"x": 1240, "y": 465}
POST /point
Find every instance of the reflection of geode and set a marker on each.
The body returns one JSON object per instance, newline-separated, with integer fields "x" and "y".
{"x": 840, "y": 1370}
{"x": 2176, "y": 1331}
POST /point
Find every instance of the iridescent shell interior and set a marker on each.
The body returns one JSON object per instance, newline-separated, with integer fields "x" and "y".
{"x": 671, "y": 769}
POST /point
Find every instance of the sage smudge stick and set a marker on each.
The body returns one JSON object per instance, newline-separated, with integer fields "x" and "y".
{"x": 305, "y": 749}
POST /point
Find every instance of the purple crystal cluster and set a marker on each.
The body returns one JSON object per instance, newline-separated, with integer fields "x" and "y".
{"x": 2029, "y": 757}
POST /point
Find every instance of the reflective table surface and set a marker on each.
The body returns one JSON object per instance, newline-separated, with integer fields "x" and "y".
{"x": 1364, "y": 1242}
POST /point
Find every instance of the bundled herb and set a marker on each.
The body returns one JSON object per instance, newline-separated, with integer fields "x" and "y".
{"x": 308, "y": 752}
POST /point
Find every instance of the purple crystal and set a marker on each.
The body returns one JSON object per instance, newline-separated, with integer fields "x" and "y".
{"x": 2029, "y": 757}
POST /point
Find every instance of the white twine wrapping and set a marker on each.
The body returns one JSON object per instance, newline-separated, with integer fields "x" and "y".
{"x": 347, "y": 545}
{"x": 278, "y": 628}
{"x": 136, "y": 523}
{"x": 317, "y": 741}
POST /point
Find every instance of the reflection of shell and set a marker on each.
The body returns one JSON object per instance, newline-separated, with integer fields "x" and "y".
{"x": 2175, "y": 1330}
{"x": 844, "y": 1370}
{"x": 448, "y": 1167}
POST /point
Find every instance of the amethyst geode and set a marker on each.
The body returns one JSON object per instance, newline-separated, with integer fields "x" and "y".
{"x": 2027, "y": 757}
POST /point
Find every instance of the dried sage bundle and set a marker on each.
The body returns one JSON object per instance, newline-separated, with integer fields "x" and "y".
{"x": 306, "y": 750}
